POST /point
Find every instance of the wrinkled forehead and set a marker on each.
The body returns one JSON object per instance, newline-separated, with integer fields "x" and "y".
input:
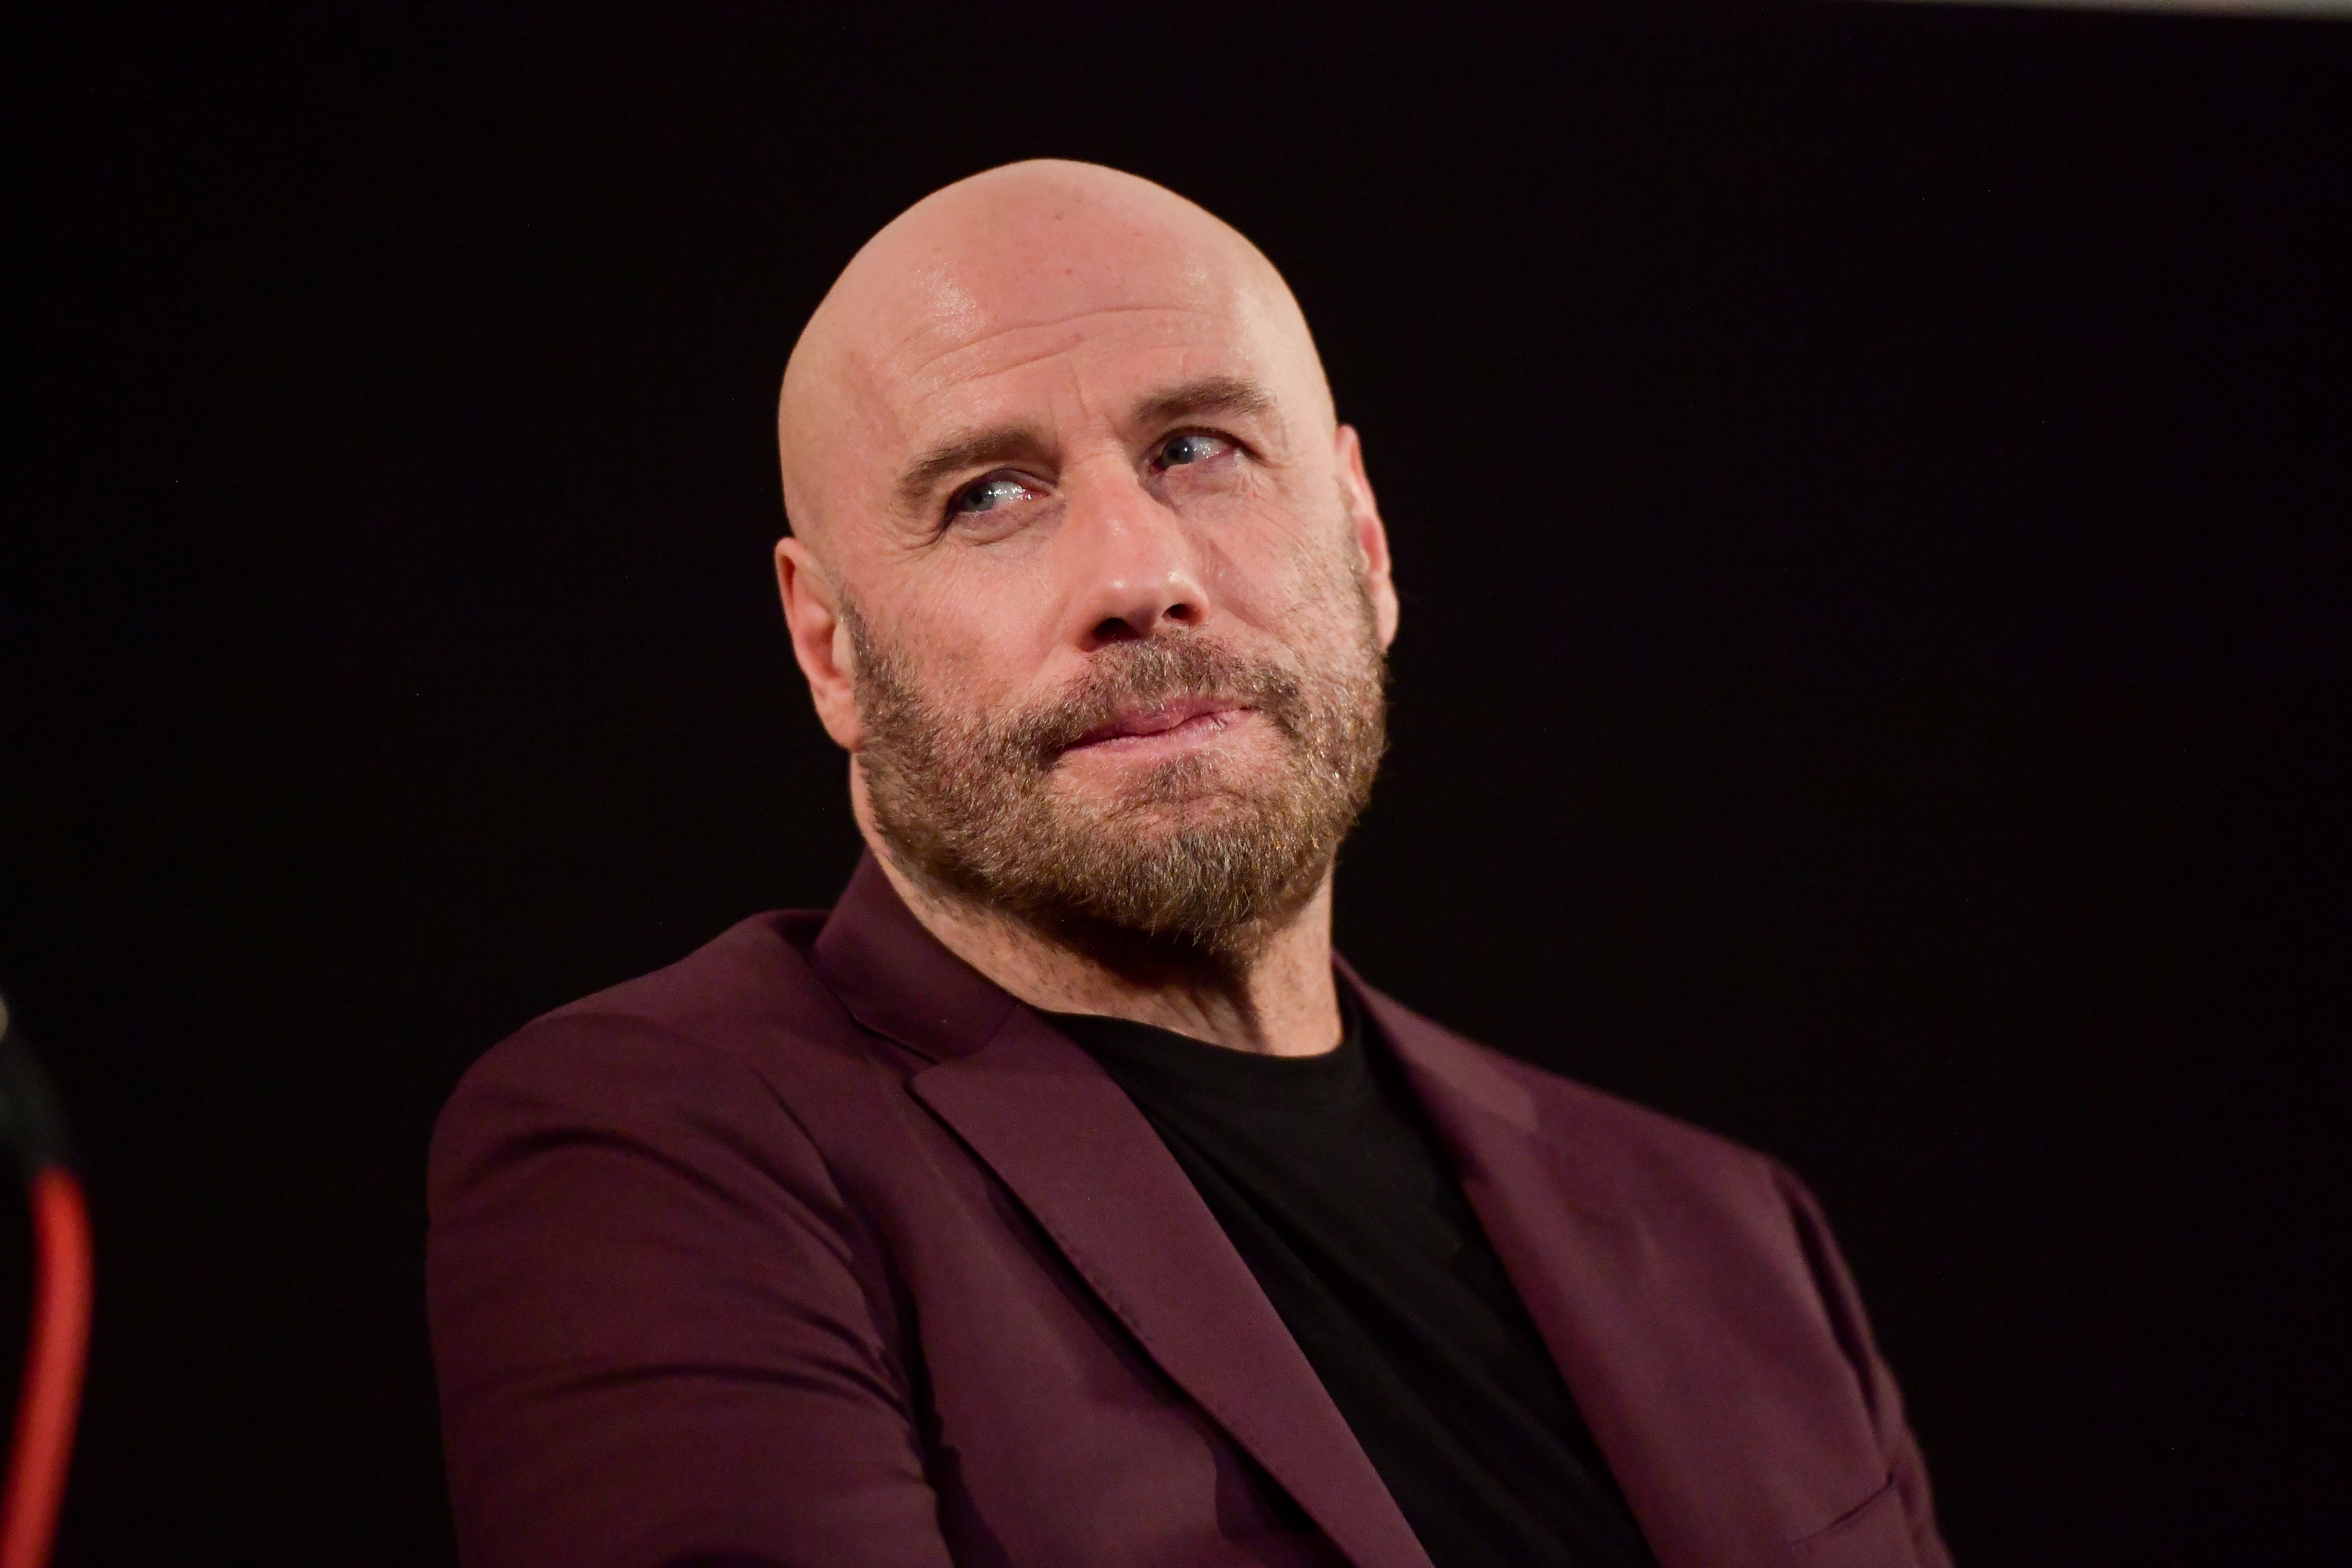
{"x": 1037, "y": 297}
{"x": 982, "y": 332}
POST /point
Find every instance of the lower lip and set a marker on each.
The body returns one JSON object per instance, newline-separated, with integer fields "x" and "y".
{"x": 1198, "y": 728}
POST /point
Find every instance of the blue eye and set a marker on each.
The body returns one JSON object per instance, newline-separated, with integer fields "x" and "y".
{"x": 989, "y": 494}
{"x": 1189, "y": 448}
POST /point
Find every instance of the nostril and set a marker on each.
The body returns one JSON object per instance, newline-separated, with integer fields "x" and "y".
{"x": 1136, "y": 627}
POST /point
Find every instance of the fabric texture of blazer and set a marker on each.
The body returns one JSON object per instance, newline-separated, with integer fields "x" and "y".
{"x": 819, "y": 1248}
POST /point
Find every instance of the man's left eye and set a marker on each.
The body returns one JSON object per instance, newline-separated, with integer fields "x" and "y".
{"x": 1193, "y": 446}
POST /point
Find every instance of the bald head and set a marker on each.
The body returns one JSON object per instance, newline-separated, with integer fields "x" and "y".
{"x": 1084, "y": 574}
{"x": 1056, "y": 427}
{"x": 929, "y": 324}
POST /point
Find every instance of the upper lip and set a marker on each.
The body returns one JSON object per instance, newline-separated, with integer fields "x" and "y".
{"x": 1156, "y": 718}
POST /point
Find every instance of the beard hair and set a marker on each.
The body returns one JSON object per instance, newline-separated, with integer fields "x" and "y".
{"x": 1194, "y": 862}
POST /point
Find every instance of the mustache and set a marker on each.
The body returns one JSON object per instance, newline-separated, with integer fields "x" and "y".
{"x": 1147, "y": 674}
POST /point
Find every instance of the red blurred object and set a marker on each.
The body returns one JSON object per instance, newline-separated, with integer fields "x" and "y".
{"x": 53, "y": 1368}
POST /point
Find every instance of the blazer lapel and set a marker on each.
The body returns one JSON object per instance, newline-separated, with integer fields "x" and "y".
{"x": 1590, "y": 1276}
{"x": 1063, "y": 1136}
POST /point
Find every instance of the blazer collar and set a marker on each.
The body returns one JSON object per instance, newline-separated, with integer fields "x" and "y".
{"x": 1061, "y": 1134}
{"x": 1485, "y": 1113}
{"x": 898, "y": 979}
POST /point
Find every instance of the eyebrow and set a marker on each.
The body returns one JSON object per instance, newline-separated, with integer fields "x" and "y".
{"x": 977, "y": 449}
{"x": 1227, "y": 394}
{"x": 1210, "y": 395}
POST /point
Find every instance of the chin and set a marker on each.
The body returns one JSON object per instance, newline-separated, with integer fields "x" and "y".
{"x": 1194, "y": 792}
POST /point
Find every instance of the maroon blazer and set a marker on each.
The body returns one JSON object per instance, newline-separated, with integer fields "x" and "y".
{"x": 819, "y": 1248}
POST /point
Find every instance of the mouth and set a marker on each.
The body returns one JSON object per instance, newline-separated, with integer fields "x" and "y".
{"x": 1163, "y": 726}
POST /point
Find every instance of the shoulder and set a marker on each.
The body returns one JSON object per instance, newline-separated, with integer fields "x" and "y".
{"x": 716, "y": 1035}
{"x": 753, "y": 975}
{"x": 1708, "y": 1211}
{"x": 1624, "y": 1155}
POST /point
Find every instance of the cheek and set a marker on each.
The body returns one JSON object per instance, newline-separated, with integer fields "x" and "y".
{"x": 1287, "y": 577}
{"x": 975, "y": 642}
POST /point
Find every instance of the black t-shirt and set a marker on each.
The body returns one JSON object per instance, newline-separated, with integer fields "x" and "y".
{"x": 1334, "y": 1190}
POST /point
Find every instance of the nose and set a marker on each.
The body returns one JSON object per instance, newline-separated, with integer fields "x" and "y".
{"x": 1132, "y": 566}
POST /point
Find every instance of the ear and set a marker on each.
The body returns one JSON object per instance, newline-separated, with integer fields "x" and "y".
{"x": 1371, "y": 535}
{"x": 820, "y": 641}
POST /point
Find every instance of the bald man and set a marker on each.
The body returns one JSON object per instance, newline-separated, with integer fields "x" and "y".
{"x": 1060, "y": 1197}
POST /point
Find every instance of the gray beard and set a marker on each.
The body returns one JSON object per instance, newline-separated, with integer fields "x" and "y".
{"x": 1186, "y": 865}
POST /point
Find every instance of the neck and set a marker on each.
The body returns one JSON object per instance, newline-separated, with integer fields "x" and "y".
{"x": 1277, "y": 1000}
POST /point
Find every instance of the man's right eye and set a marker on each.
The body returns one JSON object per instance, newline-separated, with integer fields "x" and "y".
{"x": 987, "y": 495}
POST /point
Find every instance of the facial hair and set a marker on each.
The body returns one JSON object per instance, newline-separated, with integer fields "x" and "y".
{"x": 1198, "y": 859}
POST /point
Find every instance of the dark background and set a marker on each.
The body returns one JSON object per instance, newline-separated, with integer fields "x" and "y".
{"x": 1869, "y": 486}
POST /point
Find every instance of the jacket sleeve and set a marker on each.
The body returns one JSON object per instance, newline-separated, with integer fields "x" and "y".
{"x": 1906, "y": 1469}
{"x": 658, "y": 1327}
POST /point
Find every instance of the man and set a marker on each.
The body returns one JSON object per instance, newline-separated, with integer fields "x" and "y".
{"x": 1060, "y": 1197}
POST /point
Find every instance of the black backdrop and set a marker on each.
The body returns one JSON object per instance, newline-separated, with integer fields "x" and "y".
{"x": 1870, "y": 490}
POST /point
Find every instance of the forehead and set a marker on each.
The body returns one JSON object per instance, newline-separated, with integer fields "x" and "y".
{"x": 1031, "y": 327}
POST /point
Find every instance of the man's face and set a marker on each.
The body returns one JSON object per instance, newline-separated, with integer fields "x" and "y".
{"x": 1115, "y": 596}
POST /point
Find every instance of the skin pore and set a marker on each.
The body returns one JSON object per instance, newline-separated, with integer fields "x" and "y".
{"x": 1062, "y": 472}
